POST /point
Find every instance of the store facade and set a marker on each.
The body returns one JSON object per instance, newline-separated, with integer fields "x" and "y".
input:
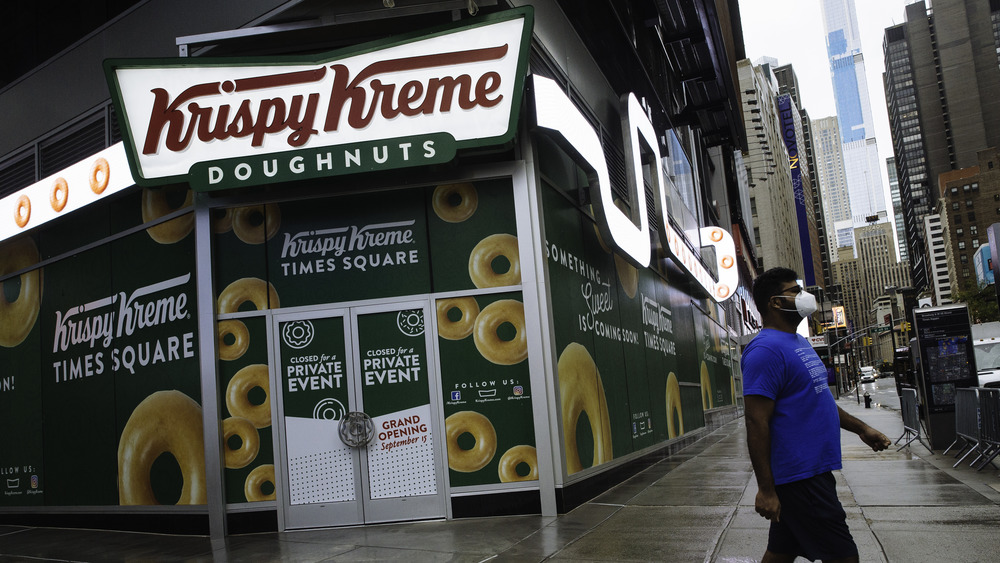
{"x": 398, "y": 280}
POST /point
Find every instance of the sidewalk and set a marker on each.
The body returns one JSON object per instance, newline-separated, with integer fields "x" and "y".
{"x": 695, "y": 506}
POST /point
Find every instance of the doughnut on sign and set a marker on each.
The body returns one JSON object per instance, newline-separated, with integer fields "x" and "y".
{"x": 558, "y": 117}
{"x": 410, "y": 100}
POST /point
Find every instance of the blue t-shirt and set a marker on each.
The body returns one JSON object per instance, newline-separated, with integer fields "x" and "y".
{"x": 805, "y": 428}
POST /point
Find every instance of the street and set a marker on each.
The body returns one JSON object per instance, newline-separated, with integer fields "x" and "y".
{"x": 882, "y": 391}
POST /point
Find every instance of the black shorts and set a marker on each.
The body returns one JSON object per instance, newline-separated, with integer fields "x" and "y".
{"x": 813, "y": 523}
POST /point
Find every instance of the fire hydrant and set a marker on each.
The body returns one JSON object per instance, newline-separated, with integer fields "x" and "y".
{"x": 868, "y": 401}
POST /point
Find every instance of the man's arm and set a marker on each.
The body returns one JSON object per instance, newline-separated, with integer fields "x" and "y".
{"x": 759, "y": 410}
{"x": 876, "y": 440}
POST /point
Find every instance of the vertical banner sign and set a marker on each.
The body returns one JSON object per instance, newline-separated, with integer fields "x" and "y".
{"x": 394, "y": 383}
{"x": 316, "y": 396}
{"x": 789, "y": 115}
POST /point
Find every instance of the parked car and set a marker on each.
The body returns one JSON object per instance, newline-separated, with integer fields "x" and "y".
{"x": 868, "y": 377}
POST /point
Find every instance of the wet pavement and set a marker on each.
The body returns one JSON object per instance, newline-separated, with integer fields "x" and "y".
{"x": 694, "y": 506}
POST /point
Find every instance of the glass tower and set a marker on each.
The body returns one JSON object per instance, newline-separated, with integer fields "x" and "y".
{"x": 862, "y": 166}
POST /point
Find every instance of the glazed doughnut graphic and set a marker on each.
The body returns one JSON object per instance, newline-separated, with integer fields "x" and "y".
{"x": 240, "y": 340}
{"x": 628, "y": 276}
{"x": 164, "y": 422}
{"x": 256, "y": 224}
{"x": 18, "y": 317}
{"x": 253, "y": 488}
{"x": 467, "y": 307}
{"x": 249, "y": 442}
{"x": 480, "y": 427}
{"x": 238, "y": 401}
{"x": 100, "y": 175}
{"x": 455, "y": 203}
{"x": 674, "y": 407}
{"x": 59, "y": 194}
{"x": 486, "y": 252}
{"x": 582, "y": 391}
{"x": 156, "y": 203}
{"x": 252, "y": 290}
{"x": 22, "y": 211}
{"x": 514, "y": 457}
{"x": 222, "y": 220}
{"x": 706, "y": 387}
{"x": 488, "y": 341}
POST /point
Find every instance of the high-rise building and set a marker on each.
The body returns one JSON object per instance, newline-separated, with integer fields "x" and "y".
{"x": 788, "y": 84}
{"x": 897, "y": 208}
{"x": 942, "y": 78}
{"x": 862, "y": 166}
{"x": 969, "y": 202}
{"x": 772, "y": 196}
{"x": 937, "y": 260}
{"x": 833, "y": 185}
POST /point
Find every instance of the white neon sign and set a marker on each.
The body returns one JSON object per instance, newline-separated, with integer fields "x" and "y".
{"x": 555, "y": 112}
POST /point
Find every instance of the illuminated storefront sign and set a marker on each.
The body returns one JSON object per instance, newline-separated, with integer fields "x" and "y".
{"x": 225, "y": 123}
{"x": 556, "y": 114}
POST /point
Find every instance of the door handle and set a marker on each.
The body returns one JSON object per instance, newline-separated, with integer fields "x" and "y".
{"x": 356, "y": 429}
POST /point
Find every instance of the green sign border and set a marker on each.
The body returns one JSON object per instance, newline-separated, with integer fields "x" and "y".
{"x": 112, "y": 65}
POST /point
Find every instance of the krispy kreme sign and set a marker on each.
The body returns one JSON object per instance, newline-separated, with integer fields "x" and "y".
{"x": 557, "y": 117}
{"x": 224, "y": 123}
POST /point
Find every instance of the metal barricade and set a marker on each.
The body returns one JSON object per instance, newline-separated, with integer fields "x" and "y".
{"x": 911, "y": 418}
{"x": 966, "y": 423}
{"x": 989, "y": 411}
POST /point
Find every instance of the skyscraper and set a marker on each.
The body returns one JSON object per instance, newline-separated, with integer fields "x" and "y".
{"x": 897, "y": 208}
{"x": 833, "y": 185}
{"x": 788, "y": 83}
{"x": 941, "y": 82}
{"x": 772, "y": 196}
{"x": 862, "y": 166}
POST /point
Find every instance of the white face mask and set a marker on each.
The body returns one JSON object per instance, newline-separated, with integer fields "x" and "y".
{"x": 805, "y": 304}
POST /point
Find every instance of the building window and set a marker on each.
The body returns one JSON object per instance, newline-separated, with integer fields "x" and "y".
{"x": 973, "y": 229}
{"x": 975, "y": 185}
{"x": 975, "y": 243}
{"x": 958, "y": 219}
{"x": 965, "y": 272}
{"x": 954, "y": 206}
{"x": 972, "y": 216}
{"x": 959, "y": 232}
{"x": 966, "y": 188}
{"x": 961, "y": 246}
{"x": 954, "y": 191}
{"x": 968, "y": 203}
{"x": 963, "y": 258}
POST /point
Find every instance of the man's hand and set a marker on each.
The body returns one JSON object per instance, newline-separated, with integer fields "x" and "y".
{"x": 768, "y": 505}
{"x": 876, "y": 440}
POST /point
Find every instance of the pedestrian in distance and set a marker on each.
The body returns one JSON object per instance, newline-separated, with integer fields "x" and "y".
{"x": 793, "y": 430}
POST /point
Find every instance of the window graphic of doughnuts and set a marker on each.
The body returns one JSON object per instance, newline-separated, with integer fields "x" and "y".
{"x": 159, "y": 202}
{"x": 492, "y": 328}
{"x": 19, "y": 305}
{"x": 581, "y": 391}
{"x": 164, "y": 422}
{"x": 495, "y": 262}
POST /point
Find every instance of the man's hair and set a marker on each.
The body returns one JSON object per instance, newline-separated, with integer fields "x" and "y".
{"x": 768, "y": 284}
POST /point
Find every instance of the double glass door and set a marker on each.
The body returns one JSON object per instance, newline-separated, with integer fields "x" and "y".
{"x": 357, "y": 416}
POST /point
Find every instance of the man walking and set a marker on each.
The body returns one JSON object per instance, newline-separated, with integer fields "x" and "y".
{"x": 793, "y": 430}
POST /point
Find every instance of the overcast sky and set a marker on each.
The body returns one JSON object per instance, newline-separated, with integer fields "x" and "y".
{"x": 792, "y": 32}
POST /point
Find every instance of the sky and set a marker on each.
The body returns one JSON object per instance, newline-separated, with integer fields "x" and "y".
{"x": 792, "y": 32}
